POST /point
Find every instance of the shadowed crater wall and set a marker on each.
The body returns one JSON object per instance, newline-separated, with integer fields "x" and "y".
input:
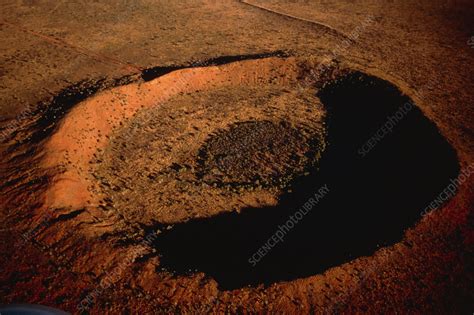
{"x": 375, "y": 193}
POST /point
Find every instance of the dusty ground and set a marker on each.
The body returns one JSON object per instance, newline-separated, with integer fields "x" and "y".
{"x": 56, "y": 53}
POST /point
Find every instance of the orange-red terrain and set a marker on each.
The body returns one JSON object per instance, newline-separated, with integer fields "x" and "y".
{"x": 237, "y": 156}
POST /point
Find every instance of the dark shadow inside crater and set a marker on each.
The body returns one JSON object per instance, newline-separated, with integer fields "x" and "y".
{"x": 376, "y": 191}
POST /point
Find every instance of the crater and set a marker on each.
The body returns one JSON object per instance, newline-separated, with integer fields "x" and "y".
{"x": 204, "y": 151}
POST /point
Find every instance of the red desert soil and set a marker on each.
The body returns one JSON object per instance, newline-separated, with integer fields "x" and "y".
{"x": 108, "y": 135}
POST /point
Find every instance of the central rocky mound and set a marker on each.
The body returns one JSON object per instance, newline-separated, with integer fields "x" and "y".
{"x": 257, "y": 152}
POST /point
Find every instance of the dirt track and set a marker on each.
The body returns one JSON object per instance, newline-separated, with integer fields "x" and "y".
{"x": 62, "y": 192}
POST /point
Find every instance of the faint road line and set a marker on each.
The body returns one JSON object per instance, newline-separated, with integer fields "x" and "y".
{"x": 330, "y": 28}
{"x": 83, "y": 51}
